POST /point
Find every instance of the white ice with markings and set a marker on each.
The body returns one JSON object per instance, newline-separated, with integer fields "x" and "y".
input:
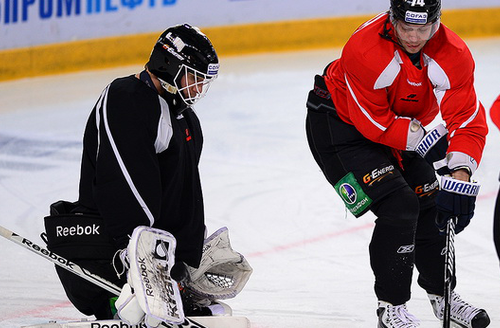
{"x": 310, "y": 257}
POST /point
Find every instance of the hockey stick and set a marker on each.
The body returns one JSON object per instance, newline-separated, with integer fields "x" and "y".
{"x": 449, "y": 270}
{"x": 79, "y": 271}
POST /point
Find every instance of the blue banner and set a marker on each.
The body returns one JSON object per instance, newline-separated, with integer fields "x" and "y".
{"x": 18, "y": 11}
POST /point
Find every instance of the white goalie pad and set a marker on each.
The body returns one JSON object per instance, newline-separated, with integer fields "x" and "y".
{"x": 208, "y": 322}
{"x": 128, "y": 308}
{"x": 222, "y": 273}
{"x": 151, "y": 254}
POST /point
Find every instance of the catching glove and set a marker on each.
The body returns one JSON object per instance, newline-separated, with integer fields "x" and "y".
{"x": 456, "y": 198}
{"x": 222, "y": 273}
{"x": 433, "y": 147}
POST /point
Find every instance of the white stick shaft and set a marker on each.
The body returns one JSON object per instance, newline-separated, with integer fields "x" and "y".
{"x": 78, "y": 270}
{"x": 60, "y": 261}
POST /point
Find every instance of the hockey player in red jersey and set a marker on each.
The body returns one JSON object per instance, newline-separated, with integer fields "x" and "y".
{"x": 495, "y": 112}
{"x": 495, "y": 117}
{"x": 367, "y": 127}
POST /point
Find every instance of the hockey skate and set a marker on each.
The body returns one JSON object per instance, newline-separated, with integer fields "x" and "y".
{"x": 395, "y": 316}
{"x": 462, "y": 313}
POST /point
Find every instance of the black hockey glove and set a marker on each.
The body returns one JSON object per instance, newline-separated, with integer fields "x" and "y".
{"x": 456, "y": 198}
{"x": 320, "y": 99}
{"x": 433, "y": 147}
{"x": 179, "y": 271}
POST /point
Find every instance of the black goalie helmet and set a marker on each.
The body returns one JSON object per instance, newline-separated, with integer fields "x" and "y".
{"x": 184, "y": 61}
{"x": 419, "y": 12}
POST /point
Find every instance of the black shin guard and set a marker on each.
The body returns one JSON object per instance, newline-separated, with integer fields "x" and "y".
{"x": 392, "y": 248}
{"x": 392, "y": 252}
{"x": 496, "y": 225}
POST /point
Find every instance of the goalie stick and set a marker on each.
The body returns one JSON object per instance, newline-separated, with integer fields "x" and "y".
{"x": 81, "y": 272}
{"x": 212, "y": 322}
{"x": 449, "y": 269}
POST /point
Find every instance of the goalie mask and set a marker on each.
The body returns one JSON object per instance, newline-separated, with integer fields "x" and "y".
{"x": 185, "y": 62}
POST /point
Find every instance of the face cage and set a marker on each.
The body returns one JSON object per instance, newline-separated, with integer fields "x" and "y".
{"x": 416, "y": 30}
{"x": 197, "y": 84}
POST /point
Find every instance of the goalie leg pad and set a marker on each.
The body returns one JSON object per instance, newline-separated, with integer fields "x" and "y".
{"x": 128, "y": 308}
{"x": 151, "y": 254}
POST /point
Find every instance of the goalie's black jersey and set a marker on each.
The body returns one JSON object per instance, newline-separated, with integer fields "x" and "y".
{"x": 140, "y": 166}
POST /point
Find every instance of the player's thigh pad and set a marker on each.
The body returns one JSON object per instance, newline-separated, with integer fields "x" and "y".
{"x": 361, "y": 171}
{"x": 421, "y": 178}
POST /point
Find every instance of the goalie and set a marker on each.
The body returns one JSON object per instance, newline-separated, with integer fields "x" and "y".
{"x": 141, "y": 149}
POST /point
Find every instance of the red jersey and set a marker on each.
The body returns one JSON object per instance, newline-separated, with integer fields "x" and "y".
{"x": 495, "y": 112}
{"x": 376, "y": 87}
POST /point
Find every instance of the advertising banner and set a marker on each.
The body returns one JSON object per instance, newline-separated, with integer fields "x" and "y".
{"x": 25, "y": 23}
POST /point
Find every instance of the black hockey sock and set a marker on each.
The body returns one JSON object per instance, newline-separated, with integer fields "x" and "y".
{"x": 392, "y": 248}
{"x": 496, "y": 225}
{"x": 392, "y": 258}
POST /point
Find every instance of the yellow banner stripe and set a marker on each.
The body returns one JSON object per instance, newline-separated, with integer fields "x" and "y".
{"x": 228, "y": 40}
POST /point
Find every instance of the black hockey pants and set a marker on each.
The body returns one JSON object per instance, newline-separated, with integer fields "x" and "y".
{"x": 399, "y": 188}
{"x": 82, "y": 239}
{"x": 496, "y": 225}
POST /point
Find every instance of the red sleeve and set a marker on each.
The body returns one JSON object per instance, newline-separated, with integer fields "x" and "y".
{"x": 495, "y": 112}
{"x": 464, "y": 115}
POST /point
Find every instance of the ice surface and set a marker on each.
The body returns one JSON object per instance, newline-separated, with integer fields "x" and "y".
{"x": 310, "y": 258}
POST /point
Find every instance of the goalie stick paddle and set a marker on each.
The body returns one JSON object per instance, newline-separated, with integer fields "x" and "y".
{"x": 449, "y": 270}
{"x": 81, "y": 272}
